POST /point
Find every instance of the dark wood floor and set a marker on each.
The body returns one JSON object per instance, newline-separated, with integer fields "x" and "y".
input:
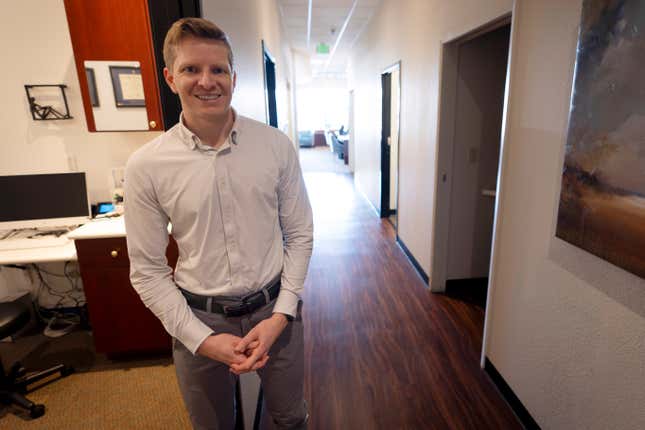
{"x": 381, "y": 351}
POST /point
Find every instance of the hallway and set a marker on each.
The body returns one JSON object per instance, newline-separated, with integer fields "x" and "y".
{"x": 381, "y": 351}
{"x": 321, "y": 159}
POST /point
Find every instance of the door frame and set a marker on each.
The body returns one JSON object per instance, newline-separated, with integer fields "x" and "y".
{"x": 445, "y": 133}
{"x": 270, "y": 76}
{"x": 446, "y": 124}
{"x": 385, "y": 210}
{"x": 350, "y": 125}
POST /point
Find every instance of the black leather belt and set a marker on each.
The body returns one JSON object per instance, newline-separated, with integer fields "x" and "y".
{"x": 247, "y": 304}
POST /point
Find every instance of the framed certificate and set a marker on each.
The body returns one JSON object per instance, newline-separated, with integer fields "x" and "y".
{"x": 128, "y": 86}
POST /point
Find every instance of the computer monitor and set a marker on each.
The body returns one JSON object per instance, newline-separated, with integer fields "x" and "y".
{"x": 44, "y": 200}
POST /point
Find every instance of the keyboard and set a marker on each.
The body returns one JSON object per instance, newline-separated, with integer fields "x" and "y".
{"x": 31, "y": 243}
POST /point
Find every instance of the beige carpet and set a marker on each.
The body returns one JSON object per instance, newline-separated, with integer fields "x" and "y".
{"x": 102, "y": 394}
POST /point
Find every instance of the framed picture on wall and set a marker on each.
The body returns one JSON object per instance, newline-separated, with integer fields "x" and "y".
{"x": 91, "y": 86}
{"x": 602, "y": 198}
{"x": 128, "y": 86}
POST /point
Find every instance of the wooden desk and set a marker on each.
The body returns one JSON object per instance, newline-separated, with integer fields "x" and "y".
{"x": 121, "y": 323}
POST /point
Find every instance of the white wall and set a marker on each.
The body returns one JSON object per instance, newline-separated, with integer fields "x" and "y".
{"x": 41, "y": 53}
{"x": 247, "y": 23}
{"x": 410, "y": 31}
{"x": 565, "y": 329}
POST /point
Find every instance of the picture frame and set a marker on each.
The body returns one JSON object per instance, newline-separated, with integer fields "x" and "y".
{"x": 602, "y": 192}
{"x": 128, "y": 86}
{"x": 91, "y": 86}
{"x": 47, "y": 102}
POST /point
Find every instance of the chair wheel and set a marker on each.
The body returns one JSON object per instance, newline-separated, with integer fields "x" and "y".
{"x": 17, "y": 371}
{"x": 37, "y": 411}
{"x": 66, "y": 371}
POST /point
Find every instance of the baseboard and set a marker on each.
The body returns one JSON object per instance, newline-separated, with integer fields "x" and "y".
{"x": 413, "y": 260}
{"x": 513, "y": 401}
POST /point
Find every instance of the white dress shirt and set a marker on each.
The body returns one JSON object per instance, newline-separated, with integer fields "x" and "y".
{"x": 240, "y": 215}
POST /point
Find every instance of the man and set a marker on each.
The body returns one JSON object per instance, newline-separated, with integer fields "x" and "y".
{"x": 233, "y": 192}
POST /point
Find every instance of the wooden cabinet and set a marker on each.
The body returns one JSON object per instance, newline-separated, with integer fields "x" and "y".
{"x": 121, "y": 324}
{"x": 114, "y": 30}
{"x": 133, "y": 31}
{"x": 162, "y": 14}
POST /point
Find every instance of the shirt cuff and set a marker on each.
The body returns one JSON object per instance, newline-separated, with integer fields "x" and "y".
{"x": 194, "y": 334}
{"x": 286, "y": 303}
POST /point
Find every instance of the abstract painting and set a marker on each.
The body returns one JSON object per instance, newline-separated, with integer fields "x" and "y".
{"x": 602, "y": 200}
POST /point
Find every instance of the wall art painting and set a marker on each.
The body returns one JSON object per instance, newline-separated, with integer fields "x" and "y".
{"x": 602, "y": 200}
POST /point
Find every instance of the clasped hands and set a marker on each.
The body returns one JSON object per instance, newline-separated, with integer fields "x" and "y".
{"x": 245, "y": 354}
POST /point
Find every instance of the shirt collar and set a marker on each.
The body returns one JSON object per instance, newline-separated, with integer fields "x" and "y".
{"x": 192, "y": 141}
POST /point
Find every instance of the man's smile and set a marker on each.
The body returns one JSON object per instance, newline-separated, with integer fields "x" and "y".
{"x": 207, "y": 97}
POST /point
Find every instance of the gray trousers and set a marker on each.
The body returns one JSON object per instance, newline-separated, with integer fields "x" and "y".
{"x": 208, "y": 388}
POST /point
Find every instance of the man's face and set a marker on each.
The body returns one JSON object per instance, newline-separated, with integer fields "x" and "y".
{"x": 202, "y": 77}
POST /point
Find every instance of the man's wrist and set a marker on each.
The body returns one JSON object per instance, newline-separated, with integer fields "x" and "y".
{"x": 283, "y": 318}
{"x": 202, "y": 343}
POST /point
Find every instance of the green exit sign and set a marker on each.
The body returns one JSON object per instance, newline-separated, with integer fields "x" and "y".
{"x": 322, "y": 48}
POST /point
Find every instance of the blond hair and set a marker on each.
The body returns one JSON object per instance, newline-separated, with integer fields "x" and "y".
{"x": 192, "y": 27}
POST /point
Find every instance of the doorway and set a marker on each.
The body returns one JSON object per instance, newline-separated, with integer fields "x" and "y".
{"x": 269, "y": 87}
{"x": 474, "y": 73}
{"x": 390, "y": 117}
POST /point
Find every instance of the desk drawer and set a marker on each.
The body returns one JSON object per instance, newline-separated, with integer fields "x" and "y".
{"x": 120, "y": 322}
{"x": 111, "y": 251}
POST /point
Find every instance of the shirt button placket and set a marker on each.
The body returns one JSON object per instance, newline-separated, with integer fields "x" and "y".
{"x": 229, "y": 227}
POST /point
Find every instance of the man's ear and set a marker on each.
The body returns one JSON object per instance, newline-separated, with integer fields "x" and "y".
{"x": 170, "y": 79}
{"x": 234, "y": 79}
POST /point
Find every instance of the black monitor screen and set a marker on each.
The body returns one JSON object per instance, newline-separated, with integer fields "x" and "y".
{"x": 31, "y": 197}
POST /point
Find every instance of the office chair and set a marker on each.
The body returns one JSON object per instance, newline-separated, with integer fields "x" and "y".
{"x": 13, "y": 385}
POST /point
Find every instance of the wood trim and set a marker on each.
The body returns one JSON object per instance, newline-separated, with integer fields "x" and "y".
{"x": 117, "y": 30}
{"x": 150, "y": 85}
{"x": 76, "y": 30}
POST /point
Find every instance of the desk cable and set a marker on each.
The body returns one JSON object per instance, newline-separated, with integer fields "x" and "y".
{"x": 60, "y": 323}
